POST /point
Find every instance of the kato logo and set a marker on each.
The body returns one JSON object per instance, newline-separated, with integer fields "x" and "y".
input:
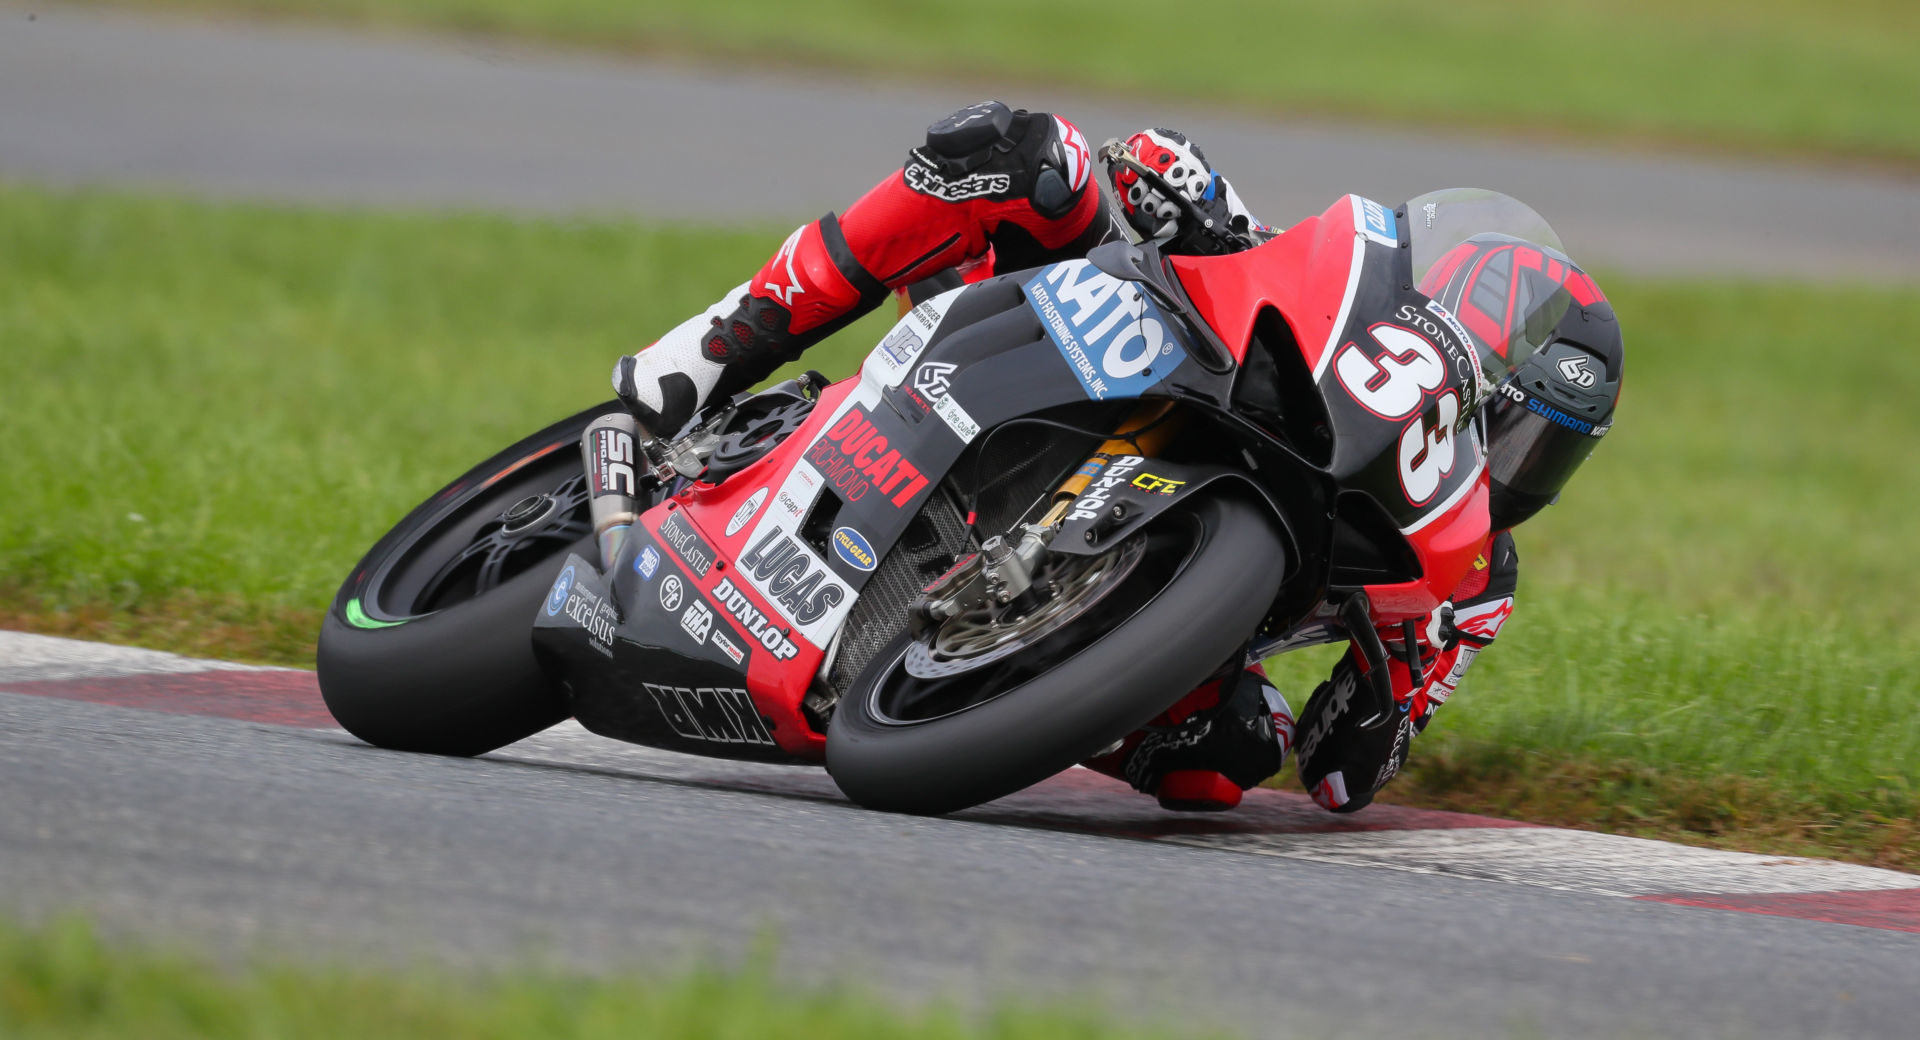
{"x": 1112, "y": 338}
{"x": 647, "y": 562}
{"x": 854, "y": 457}
{"x": 854, "y": 548}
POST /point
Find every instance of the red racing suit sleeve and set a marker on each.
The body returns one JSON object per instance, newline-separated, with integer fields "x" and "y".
{"x": 990, "y": 182}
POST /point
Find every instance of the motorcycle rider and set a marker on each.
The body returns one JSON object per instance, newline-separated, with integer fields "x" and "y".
{"x": 995, "y": 189}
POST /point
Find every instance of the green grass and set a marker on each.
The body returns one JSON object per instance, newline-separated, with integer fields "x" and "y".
{"x": 1835, "y": 76}
{"x": 211, "y": 411}
{"x": 63, "y": 981}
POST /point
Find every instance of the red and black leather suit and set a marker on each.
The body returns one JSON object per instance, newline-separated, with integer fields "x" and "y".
{"x": 995, "y": 190}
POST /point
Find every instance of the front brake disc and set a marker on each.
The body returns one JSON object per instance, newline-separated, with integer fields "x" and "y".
{"x": 988, "y": 632}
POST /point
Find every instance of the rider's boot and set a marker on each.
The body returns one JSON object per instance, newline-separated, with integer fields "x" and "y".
{"x": 1218, "y": 741}
{"x": 808, "y": 290}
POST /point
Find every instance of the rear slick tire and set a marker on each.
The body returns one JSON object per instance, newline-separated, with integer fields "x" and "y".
{"x": 428, "y": 646}
{"x": 1112, "y": 685}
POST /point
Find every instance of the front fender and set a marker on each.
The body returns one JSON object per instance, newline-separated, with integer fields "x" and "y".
{"x": 1132, "y": 490}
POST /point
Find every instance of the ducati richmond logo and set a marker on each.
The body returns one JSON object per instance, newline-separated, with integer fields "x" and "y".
{"x": 854, "y": 457}
{"x": 791, "y": 577}
{"x": 735, "y": 602}
{"x": 716, "y": 714}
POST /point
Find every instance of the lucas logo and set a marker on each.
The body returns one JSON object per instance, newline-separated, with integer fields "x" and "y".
{"x": 791, "y": 577}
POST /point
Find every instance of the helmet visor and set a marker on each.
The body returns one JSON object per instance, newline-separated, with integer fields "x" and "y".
{"x": 1498, "y": 267}
{"x": 1529, "y": 454}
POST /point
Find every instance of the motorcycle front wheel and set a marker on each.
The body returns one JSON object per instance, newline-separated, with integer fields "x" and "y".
{"x": 1169, "y": 606}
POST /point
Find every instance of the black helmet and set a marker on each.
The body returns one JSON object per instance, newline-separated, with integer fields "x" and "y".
{"x": 1546, "y": 419}
{"x": 1546, "y": 339}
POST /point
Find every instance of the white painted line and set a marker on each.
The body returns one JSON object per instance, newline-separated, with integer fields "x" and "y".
{"x": 31, "y": 658}
{"x": 1570, "y": 861}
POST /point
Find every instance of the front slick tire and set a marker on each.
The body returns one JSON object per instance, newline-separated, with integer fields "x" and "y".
{"x": 1118, "y": 670}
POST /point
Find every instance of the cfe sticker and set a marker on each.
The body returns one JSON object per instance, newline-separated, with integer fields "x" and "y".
{"x": 1153, "y": 485}
{"x": 1114, "y": 339}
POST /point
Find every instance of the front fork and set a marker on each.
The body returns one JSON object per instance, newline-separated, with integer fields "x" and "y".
{"x": 1004, "y": 571}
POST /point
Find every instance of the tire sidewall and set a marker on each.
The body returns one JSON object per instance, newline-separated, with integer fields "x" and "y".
{"x": 1108, "y": 689}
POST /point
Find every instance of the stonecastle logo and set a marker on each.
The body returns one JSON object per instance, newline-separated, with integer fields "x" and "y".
{"x": 678, "y": 532}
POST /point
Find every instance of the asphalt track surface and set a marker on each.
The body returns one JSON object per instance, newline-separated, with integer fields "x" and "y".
{"x": 215, "y": 806}
{"x": 238, "y": 109}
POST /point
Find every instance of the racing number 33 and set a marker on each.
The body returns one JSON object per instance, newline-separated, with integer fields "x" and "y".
{"x": 1393, "y": 386}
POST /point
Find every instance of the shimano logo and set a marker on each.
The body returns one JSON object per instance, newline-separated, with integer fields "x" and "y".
{"x": 1558, "y": 417}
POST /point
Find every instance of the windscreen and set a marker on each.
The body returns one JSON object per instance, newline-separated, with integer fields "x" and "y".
{"x": 1496, "y": 265}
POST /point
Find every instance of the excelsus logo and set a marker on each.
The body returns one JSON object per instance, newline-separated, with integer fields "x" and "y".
{"x": 756, "y": 623}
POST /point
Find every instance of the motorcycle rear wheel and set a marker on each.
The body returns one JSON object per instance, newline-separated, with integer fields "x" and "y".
{"x": 428, "y": 645}
{"x": 906, "y": 744}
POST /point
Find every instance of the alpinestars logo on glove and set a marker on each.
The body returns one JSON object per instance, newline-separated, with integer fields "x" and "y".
{"x": 924, "y": 177}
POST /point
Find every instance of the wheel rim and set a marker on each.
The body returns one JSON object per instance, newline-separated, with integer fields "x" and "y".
{"x": 900, "y": 698}
{"x": 529, "y": 510}
{"x": 986, "y": 634}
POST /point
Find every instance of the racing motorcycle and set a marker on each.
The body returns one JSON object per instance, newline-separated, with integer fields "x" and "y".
{"x": 1047, "y": 505}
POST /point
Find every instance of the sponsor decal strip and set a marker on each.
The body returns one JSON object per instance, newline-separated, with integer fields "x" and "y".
{"x": 1269, "y": 823}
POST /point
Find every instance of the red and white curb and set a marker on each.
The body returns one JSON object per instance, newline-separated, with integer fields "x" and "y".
{"x": 1269, "y": 823}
